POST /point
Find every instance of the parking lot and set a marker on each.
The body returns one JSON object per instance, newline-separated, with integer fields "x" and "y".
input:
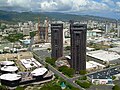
{"x": 43, "y": 53}
{"x": 105, "y": 74}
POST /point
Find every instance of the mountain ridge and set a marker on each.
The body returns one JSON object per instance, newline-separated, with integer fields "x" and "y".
{"x": 12, "y": 16}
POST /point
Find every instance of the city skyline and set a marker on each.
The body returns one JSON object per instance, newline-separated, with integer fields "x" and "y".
{"x": 104, "y": 8}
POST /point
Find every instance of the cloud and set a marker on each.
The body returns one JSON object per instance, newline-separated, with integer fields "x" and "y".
{"x": 53, "y": 5}
{"x": 109, "y": 2}
{"x": 118, "y": 3}
{"x": 71, "y": 6}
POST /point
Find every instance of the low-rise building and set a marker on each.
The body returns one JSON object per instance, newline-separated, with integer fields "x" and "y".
{"x": 103, "y": 57}
{"x": 115, "y": 49}
{"x": 93, "y": 66}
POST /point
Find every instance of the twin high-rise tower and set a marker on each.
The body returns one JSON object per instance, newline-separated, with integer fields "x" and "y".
{"x": 57, "y": 40}
{"x": 78, "y": 44}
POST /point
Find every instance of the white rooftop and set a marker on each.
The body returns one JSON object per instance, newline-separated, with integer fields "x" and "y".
{"x": 104, "y": 55}
{"x": 88, "y": 48}
{"x": 39, "y": 71}
{"x": 90, "y": 65}
{"x": 29, "y": 63}
{"x": 95, "y": 63}
{"x": 9, "y": 68}
{"x": 7, "y": 62}
{"x": 68, "y": 57}
{"x": 116, "y": 49}
{"x": 10, "y": 77}
{"x": 96, "y": 30}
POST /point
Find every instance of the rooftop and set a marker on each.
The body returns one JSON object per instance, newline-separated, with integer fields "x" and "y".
{"x": 13, "y": 55}
{"x": 29, "y": 63}
{"x": 115, "y": 49}
{"x": 104, "y": 55}
{"x": 39, "y": 71}
{"x": 95, "y": 63}
{"x": 10, "y": 77}
{"x": 7, "y": 62}
{"x": 9, "y": 68}
{"x": 90, "y": 65}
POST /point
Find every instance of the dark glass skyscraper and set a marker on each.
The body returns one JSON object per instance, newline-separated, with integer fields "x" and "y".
{"x": 78, "y": 46}
{"x": 57, "y": 40}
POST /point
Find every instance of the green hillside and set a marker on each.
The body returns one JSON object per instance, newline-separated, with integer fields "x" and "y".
{"x": 9, "y": 16}
{"x": 23, "y": 16}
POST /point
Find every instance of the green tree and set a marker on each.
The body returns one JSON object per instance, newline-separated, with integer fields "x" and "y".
{"x": 32, "y": 34}
{"x": 83, "y": 72}
{"x": 50, "y": 60}
{"x": 116, "y": 87}
{"x": 67, "y": 48}
{"x": 2, "y": 87}
{"x": 83, "y": 78}
{"x": 20, "y": 88}
{"x": 14, "y": 37}
{"x": 67, "y": 71}
{"x": 70, "y": 87}
{"x": 84, "y": 84}
{"x": 50, "y": 87}
{"x": 113, "y": 77}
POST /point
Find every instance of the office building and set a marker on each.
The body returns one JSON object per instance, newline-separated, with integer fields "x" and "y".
{"x": 57, "y": 40}
{"x": 78, "y": 46}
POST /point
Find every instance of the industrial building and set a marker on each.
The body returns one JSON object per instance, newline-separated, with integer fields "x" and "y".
{"x": 103, "y": 57}
{"x": 115, "y": 49}
{"x": 94, "y": 66}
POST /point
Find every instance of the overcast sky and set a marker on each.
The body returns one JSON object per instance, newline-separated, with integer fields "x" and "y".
{"x": 105, "y": 8}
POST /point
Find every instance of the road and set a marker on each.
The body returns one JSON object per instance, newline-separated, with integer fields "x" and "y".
{"x": 31, "y": 43}
{"x": 55, "y": 71}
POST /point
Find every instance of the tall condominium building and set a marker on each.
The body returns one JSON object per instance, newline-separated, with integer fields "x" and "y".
{"x": 57, "y": 40}
{"x": 118, "y": 31}
{"x": 78, "y": 46}
{"x": 107, "y": 28}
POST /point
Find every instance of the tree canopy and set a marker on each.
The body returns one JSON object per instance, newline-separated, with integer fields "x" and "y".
{"x": 67, "y": 71}
{"x": 14, "y": 37}
{"x": 116, "y": 87}
{"x": 50, "y": 60}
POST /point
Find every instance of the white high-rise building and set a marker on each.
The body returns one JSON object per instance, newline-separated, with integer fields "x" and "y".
{"x": 25, "y": 25}
{"x": 118, "y": 31}
{"x": 20, "y": 24}
{"x": 107, "y": 28}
